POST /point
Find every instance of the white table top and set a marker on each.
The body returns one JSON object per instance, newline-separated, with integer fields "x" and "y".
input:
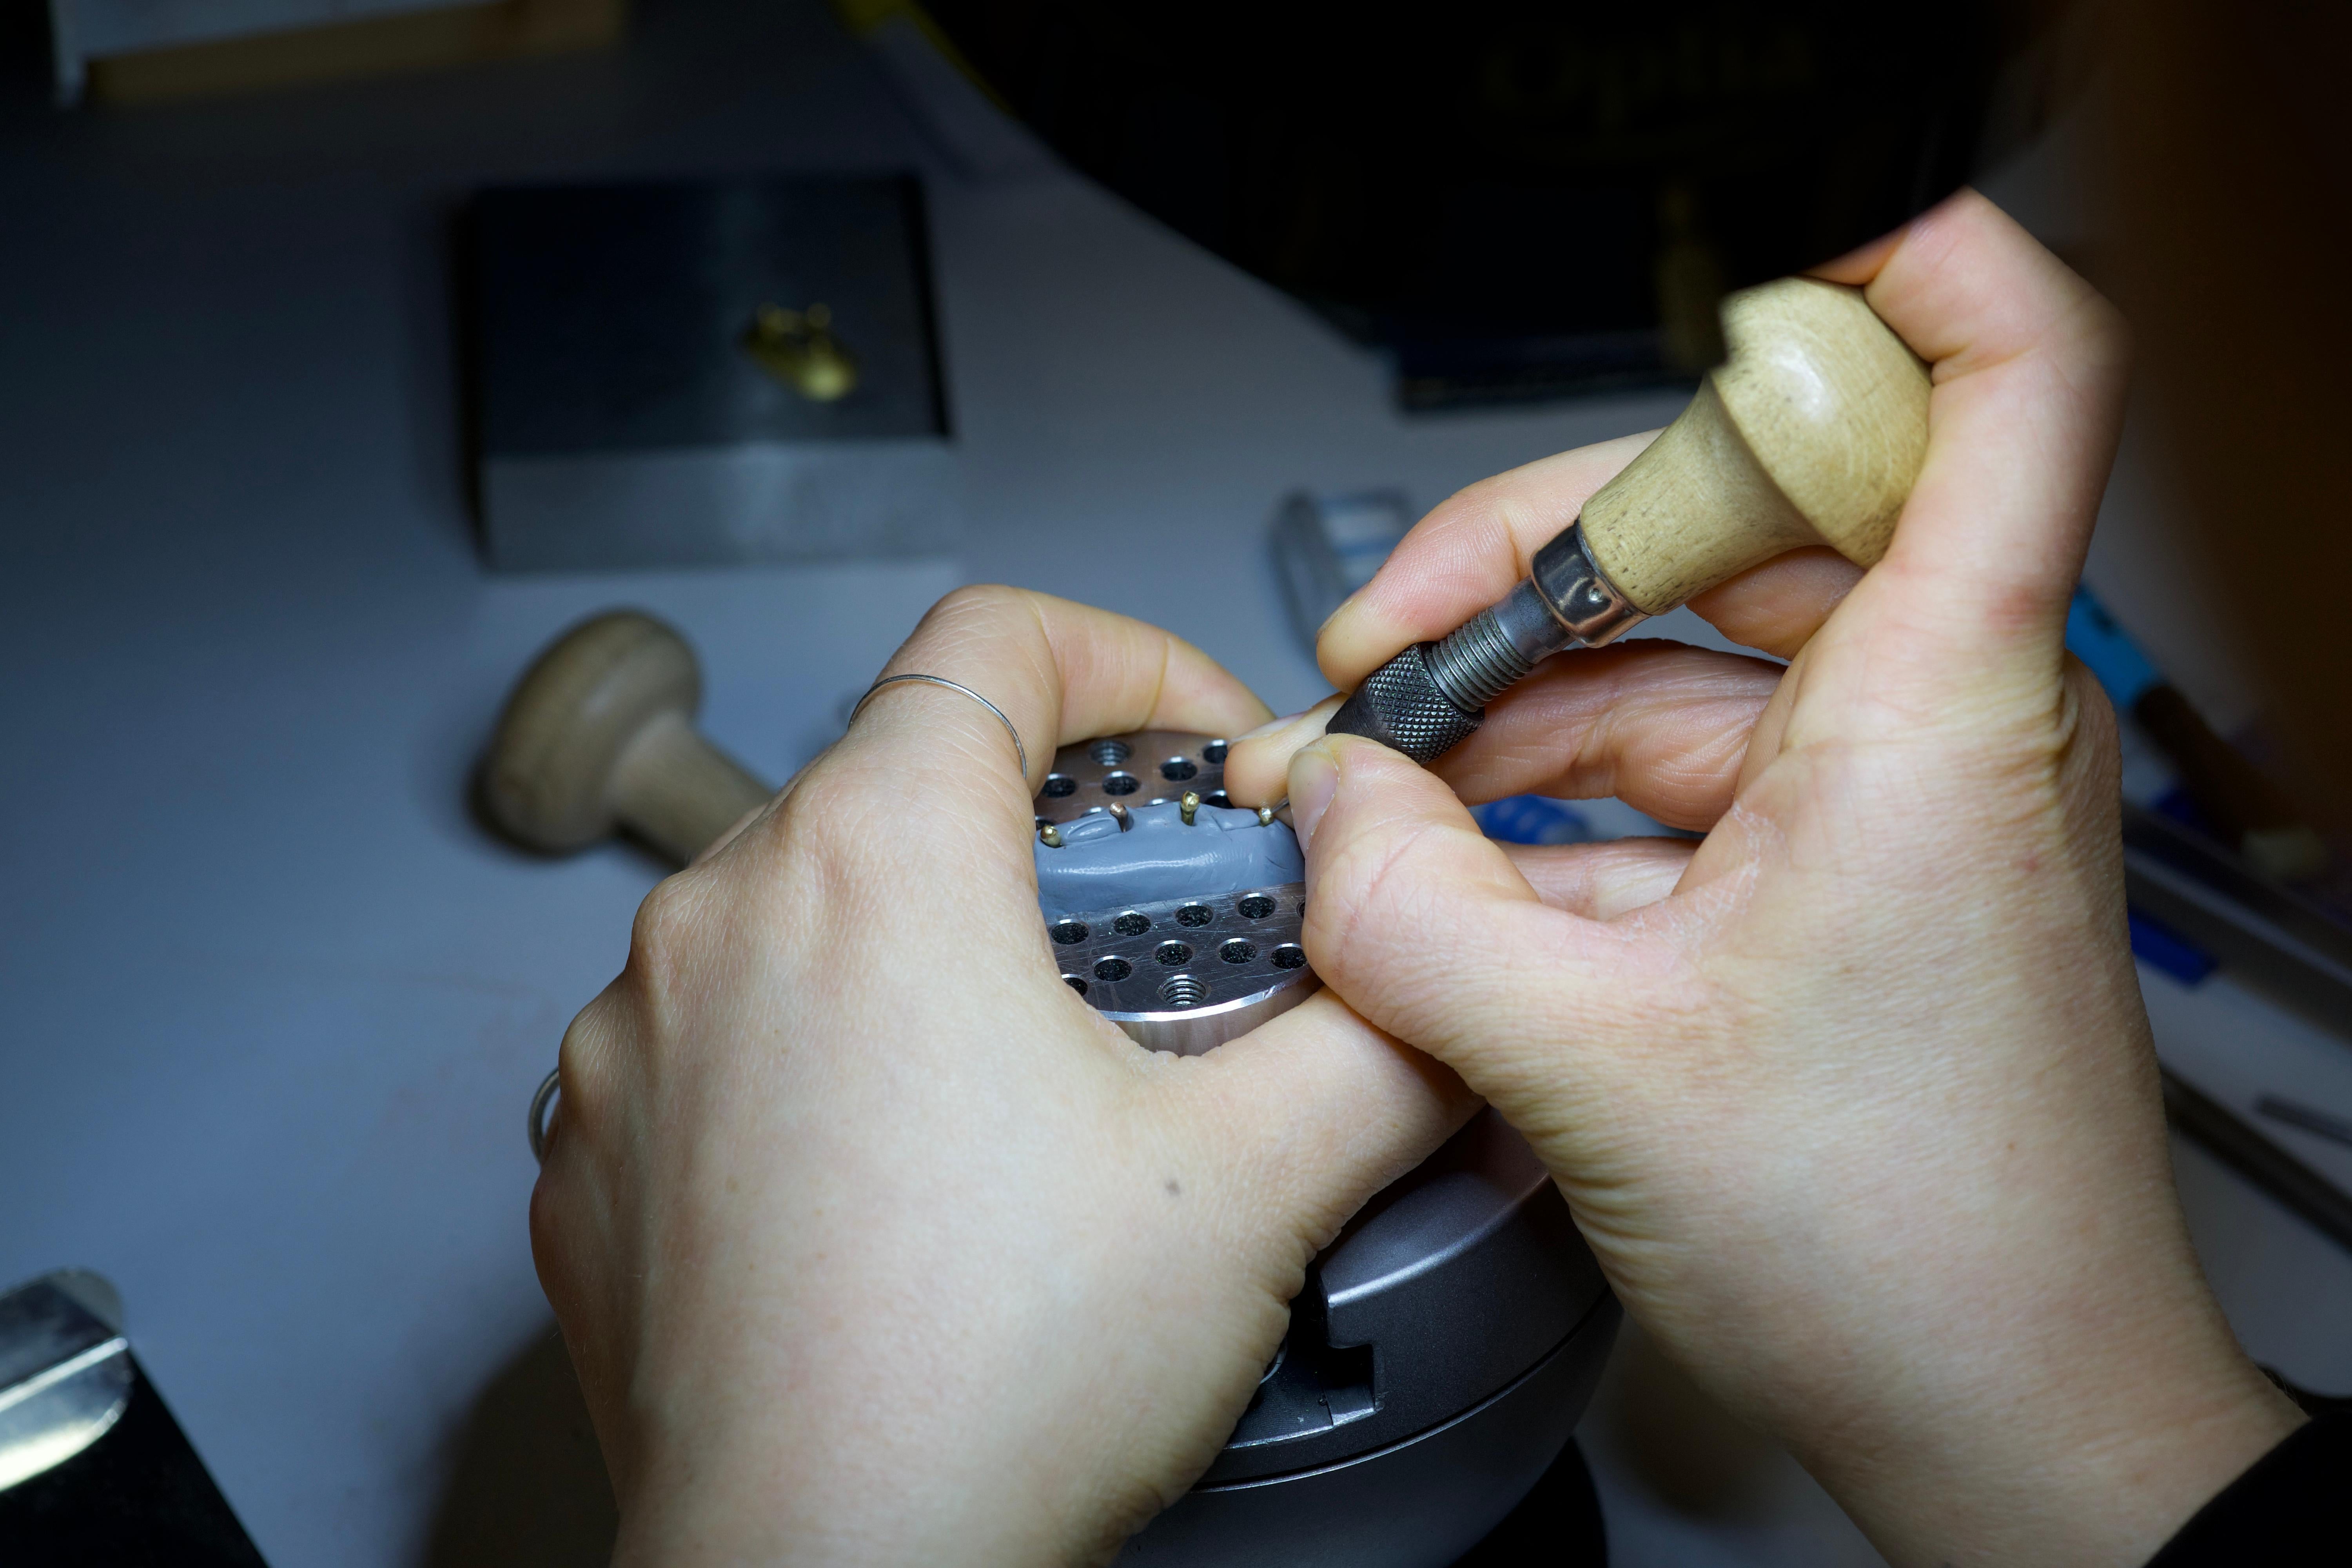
{"x": 275, "y": 1002}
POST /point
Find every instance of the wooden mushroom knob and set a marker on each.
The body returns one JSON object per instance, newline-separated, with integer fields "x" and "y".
{"x": 1811, "y": 432}
{"x": 599, "y": 735}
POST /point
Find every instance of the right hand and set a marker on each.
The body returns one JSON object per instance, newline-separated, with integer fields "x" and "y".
{"x": 1855, "y": 1099}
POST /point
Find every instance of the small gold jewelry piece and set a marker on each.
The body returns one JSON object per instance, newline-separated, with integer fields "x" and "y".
{"x": 798, "y": 348}
{"x": 1051, "y": 835}
{"x": 1266, "y": 816}
{"x": 1189, "y": 805}
{"x": 1118, "y": 814}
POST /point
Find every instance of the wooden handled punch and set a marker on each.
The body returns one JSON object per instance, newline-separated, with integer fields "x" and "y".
{"x": 599, "y": 736}
{"x": 1811, "y": 432}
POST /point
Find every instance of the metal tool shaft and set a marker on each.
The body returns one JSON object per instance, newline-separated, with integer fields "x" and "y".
{"x": 1432, "y": 697}
{"x": 1811, "y": 433}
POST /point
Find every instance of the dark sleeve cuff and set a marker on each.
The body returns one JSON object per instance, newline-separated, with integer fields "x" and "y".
{"x": 2293, "y": 1506}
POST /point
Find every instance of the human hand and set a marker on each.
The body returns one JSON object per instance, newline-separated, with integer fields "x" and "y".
{"x": 1855, "y": 1099}
{"x": 871, "y": 1241}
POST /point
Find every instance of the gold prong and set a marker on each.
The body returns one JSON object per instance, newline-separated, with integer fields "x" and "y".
{"x": 1266, "y": 816}
{"x": 1118, "y": 814}
{"x": 1189, "y": 806}
{"x": 1051, "y": 835}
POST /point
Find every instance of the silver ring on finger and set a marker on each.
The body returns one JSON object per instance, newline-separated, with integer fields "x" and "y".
{"x": 542, "y": 1113}
{"x": 1019, "y": 750}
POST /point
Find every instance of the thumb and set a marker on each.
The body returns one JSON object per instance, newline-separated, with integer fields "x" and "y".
{"x": 1426, "y": 928}
{"x": 1313, "y": 1111}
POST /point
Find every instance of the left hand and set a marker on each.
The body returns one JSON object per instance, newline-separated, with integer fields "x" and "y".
{"x": 871, "y": 1241}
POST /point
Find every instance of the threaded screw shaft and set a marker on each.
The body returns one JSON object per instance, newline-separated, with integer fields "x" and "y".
{"x": 1475, "y": 663}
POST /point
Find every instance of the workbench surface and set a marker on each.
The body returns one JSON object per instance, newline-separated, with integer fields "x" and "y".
{"x": 276, "y": 1002}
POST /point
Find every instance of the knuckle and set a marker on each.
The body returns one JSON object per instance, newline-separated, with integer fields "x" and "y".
{"x": 828, "y": 833}
{"x": 968, "y": 609}
{"x": 983, "y": 598}
{"x": 546, "y": 1228}
{"x": 670, "y": 927}
{"x": 587, "y": 1060}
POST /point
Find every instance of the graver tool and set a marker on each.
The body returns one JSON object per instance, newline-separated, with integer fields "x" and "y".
{"x": 1811, "y": 432}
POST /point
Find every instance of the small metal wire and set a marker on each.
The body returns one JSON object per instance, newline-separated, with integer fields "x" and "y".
{"x": 542, "y": 1114}
{"x": 1019, "y": 750}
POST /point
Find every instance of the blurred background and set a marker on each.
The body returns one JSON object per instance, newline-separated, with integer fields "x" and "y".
{"x": 352, "y": 349}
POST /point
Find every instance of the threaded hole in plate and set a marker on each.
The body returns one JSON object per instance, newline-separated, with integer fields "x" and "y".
{"x": 1074, "y": 983}
{"x": 1172, "y": 953}
{"x": 1067, "y": 932}
{"x": 1218, "y": 798}
{"x": 1195, "y": 915}
{"x": 1213, "y": 753}
{"x": 1109, "y": 753}
{"x": 1113, "y": 969}
{"x": 1290, "y": 955}
{"x": 1057, "y": 785}
{"x": 1121, "y": 784}
{"x": 1256, "y": 906}
{"x": 1183, "y": 991}
{"x": 1176, "y": 769}
{"x": 1237, "y": 951}
{"x": 1131, "y": 924}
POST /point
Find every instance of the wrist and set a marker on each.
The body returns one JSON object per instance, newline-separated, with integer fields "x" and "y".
{"x": 2062, "y": 1448}
{"x": 765, "y": 1498}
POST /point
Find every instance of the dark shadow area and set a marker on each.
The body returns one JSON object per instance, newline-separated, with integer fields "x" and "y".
{"x": 527, "y": 1489}
{"x": 25, "y": 54}
{"x": 1558, "y": 1524}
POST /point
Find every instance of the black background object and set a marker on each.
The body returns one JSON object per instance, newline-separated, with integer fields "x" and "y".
{"x": 137, "y": 1497}
{"x": 2290, "y": 1507}
{"x": 609, "y": 319}
{"x": 1499, "y": 190}
{"x": 1559, "y": 1523}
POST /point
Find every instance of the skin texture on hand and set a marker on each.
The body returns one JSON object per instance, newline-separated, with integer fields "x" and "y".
{"x": 1854, "y": 1098}
{"x": 872, "y": 1242}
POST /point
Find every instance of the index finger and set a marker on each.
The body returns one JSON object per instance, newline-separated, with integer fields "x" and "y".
{"x": 1058, "y": 671}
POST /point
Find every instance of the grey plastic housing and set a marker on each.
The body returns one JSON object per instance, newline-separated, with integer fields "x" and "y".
{"x": 1101, "y": 865}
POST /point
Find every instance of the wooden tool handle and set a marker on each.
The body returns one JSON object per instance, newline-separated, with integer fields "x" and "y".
{"x": 600, "y": 735}
{"x": 1811, "y": 432}
{"x": 678, "y": 791}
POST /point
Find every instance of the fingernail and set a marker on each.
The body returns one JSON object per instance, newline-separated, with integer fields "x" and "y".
{"x": 1314, "y": 780}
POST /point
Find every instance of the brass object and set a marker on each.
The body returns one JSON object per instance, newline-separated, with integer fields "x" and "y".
{"x": 1189, "y": 805}
{"x": 798, "y": 348}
